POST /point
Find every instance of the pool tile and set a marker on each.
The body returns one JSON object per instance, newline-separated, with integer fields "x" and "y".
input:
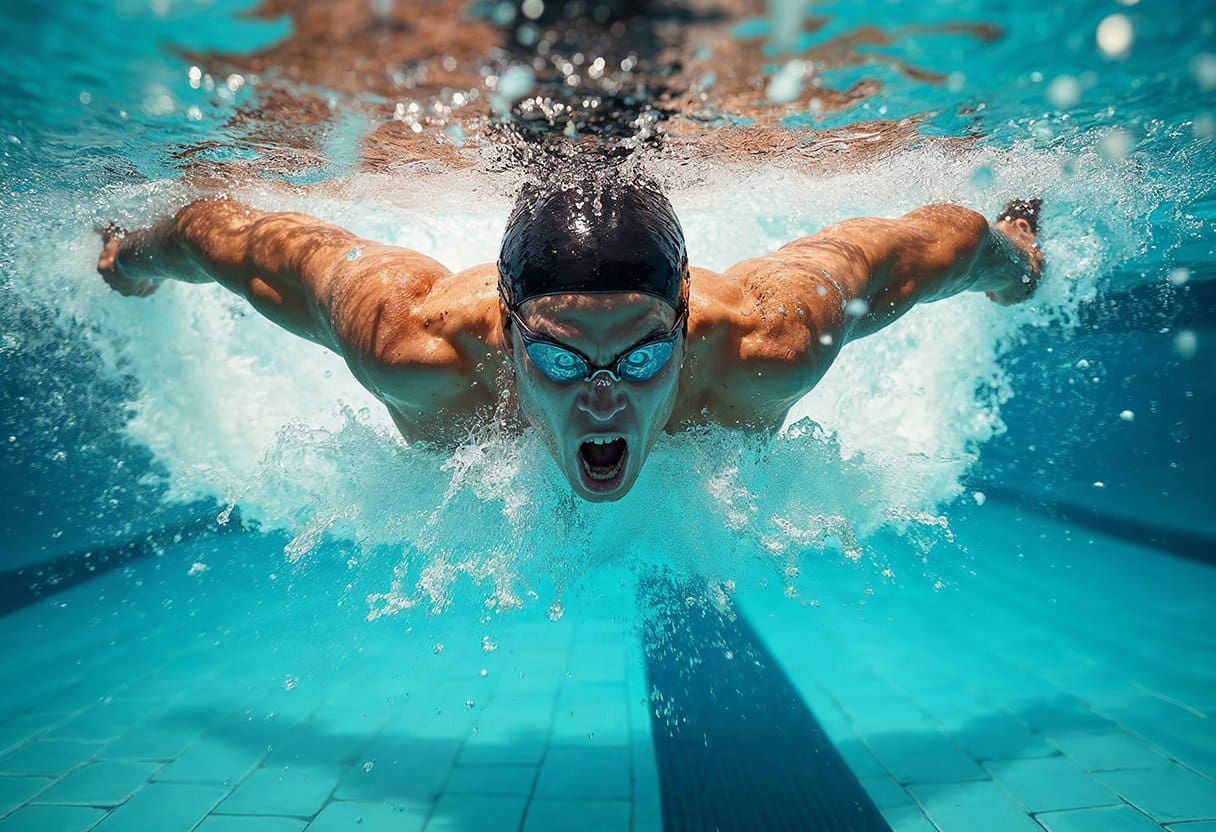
{"x": 347, "y": 816}
{"x": 1105, "y": 819}
{"x": 400, "y": 769}
{"x": 102, "y": 722}
{"x": 285, "y": 790}
{"x": 885, "y": 792}
{"x": 491, "y": 780}
{"x": 501, "y": 723}
{"x": 907, "y": 819}
{"x": 238, "y": 823}
{"x": 17, "y": 790}
{"x": 923, "y": 758}
{"x": 16, "y": 731}
{"x": 52, "y": 819}
{"x": 1000, "y": 737}
{"x": 880, "y": 716}
{"x": 1167, "y": 793}
{"x": 1108, "y": 752}
{"x": 52, "y": 758}
{"x": 597, "y": 712}
{"x": 646, "y": 815}
{"x": 968, "y": 806}
{"x": 583, "y": 815}
{"x": 311, "y": 744}
{"x": 481, "y": 751}
{"x": 1048, "y": 783}
{"x": 460, "y": 813}
{"x": 585, "y": 772}
{"x": 151, "y": 740}
{"x": 212, "y": 762}
{"x": 165, "y": 807}
{"x": 103, "y": 783}
{"x": 645, "y": 769}
{"x": 859, "y": 759}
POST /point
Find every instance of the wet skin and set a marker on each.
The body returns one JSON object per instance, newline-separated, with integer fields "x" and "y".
{"x": 437, "y": 347}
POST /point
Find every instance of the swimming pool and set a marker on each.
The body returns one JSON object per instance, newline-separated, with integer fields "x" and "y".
{"x": 970, "y": 586}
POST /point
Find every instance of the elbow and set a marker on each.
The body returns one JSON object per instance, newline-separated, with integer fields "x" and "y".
{"x": 205, "y": 219}
{"x": 961, "y": 226}
{"x": 957, "y": 238}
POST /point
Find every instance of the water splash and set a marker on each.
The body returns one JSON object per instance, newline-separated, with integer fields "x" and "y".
{"x": 234, "y": 410}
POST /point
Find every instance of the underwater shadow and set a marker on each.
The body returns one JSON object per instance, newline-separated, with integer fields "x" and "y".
{"x": 382, "y": 765}
{"x": 948, "y": 757}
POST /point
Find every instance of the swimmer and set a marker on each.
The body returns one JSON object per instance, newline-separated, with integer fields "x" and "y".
{"x": 591, "y": 325}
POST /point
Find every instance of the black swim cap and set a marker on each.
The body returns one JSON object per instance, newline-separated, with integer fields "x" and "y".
{"x": 593, "y": 237}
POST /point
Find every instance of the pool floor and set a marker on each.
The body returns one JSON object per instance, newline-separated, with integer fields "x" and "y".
{"x": 1057, "y": 680}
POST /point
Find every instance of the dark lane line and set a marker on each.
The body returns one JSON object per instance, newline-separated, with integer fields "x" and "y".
{"x": 21, "y": 587}
{"x": 1192, "y": 546}
{"x": 737, "y": 748}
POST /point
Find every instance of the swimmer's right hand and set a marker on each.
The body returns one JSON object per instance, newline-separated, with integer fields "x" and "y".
{"x": 112, "y": 239}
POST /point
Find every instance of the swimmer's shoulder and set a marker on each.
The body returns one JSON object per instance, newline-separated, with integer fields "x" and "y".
{"x": 753, "y": 351}
{"x": 419, "y": 344}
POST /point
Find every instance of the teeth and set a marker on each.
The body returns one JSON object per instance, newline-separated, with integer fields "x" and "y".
{"x": 603, "y": 440}
{"x": 596, "y": 474}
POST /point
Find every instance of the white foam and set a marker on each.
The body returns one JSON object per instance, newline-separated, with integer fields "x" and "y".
{"x": 237, "y": 410}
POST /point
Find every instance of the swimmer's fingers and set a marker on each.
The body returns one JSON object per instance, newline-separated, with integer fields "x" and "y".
{"x": 112, "y": 236}
{"x": 110, "y": 231}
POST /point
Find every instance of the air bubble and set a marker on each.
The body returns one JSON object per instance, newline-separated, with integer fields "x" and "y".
{"x": 1186, "y": 343}
{"x": 1203, "y": 70}
{"x": 1064, "y": 92}
{"x": 1115, "y": 36}
{"x": 856, "y": 308}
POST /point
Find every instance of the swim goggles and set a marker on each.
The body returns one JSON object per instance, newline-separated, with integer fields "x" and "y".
{"x": 565, "y": 365}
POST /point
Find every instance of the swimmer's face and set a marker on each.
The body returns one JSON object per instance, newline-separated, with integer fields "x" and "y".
{"x": 600, "y": 431}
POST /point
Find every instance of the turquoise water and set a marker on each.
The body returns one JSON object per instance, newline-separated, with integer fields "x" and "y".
{"x": 970, "y": 587}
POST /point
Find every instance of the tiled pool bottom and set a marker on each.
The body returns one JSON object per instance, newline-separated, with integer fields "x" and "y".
{"x": 1064, "y": 686}
{"x": 1068, "y": 684}
{"x": 155, "y": 700}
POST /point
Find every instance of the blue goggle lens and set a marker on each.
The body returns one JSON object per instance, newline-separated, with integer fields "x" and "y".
{"x": 556, "y": 363}
{"x": 645, "y": 362}
{"x": 563, "y": 366}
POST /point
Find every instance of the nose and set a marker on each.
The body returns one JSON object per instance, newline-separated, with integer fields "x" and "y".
{"x": 600, "y": 398}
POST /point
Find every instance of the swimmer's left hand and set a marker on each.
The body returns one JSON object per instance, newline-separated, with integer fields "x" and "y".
{"x": 1024, "y": 263}
{"x": 112, "y": 237}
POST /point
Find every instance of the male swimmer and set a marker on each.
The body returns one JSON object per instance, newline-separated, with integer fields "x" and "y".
{"x": 608, "y": 337}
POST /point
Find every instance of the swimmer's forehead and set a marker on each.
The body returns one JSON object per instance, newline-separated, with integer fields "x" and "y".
{"x": 631, "y": 315}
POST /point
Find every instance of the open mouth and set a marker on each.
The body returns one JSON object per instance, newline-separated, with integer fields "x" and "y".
{"x": 603, "y": 462}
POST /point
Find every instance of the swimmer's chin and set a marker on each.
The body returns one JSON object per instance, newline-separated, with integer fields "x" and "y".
{"x": 610, "y": 497}
{"x": 593, "y": 496}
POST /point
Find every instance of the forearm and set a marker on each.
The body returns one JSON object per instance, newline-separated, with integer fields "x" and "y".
{"x": 932, "y": 253}
{"x": 268, "y": 258}
{"x": 926, "y": 255}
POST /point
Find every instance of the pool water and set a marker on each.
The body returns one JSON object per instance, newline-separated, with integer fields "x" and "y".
{"x": 970, "y": 586}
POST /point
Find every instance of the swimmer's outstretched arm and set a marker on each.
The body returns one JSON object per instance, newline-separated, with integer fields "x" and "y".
{"x": 312, "y": 278}
{"x": 859, "y": 275}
